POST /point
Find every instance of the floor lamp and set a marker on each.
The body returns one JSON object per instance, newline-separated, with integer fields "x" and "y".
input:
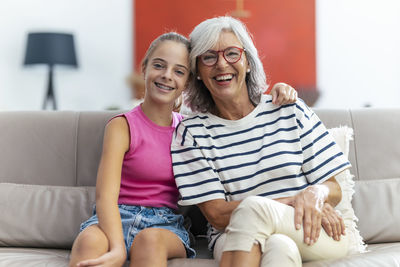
{"x": 50, "y": 49}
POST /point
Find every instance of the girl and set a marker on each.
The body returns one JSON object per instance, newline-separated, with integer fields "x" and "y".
{"x": 136, "y": 194}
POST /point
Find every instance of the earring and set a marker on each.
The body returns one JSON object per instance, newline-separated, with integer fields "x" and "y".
{"x": 198, "y": 78}
{"x": 248, "y": 71}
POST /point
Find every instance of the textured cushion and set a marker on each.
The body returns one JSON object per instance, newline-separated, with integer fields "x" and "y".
{"x": 42, "y": 216}
{"x": 378, "y": 255}
{"x": 342, "y": 136}
{"x": 376, "y": 204}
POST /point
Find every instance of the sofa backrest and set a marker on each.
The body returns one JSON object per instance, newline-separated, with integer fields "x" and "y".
{"x": 49, "y": 161}
{"x": 51, "y": 148}
{"x": 375, "y": 158}
{"x": 48, "y": 167}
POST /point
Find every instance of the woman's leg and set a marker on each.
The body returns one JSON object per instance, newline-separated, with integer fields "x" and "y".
{"x": 90, "y": 244}
{"x": 154, "y": 246}
{"x": 250, "y": 258}
{"x": 280, "y": 250}
{"x": 267, "y": 217}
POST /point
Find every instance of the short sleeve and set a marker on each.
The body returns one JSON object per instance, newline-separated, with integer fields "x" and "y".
{"x": 322, "y": 157}
{"x": 194, "y": 174}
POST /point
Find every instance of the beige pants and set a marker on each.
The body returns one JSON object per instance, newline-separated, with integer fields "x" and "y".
{"x": 271, "y": 224}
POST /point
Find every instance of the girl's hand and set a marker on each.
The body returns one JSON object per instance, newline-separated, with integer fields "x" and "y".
{"x": 114, "y": 258}
{"x": 283, "y": 94}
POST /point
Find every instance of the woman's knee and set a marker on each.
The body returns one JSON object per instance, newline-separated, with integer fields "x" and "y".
{"x": 281, "y": 250}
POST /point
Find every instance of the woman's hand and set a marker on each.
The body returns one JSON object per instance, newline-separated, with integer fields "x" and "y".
{"x": 308, "y": 206}
{"x": 332, "y": 223}
{"x": 308, "y": 210}
{"x": 114, "y": 258}
{"x": 283, "y": 94}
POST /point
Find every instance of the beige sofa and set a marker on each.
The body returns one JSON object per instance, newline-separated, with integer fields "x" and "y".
{"x": 48, "y": 165}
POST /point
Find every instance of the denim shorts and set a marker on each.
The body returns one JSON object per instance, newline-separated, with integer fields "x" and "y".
{"x": 136, "y": 218}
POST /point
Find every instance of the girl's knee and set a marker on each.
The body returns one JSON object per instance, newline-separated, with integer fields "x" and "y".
{"x": 149, "y": 245}
{"x": 92, "y": 237}
{"x": 149, "y": 239}
{"x": 90, "y": 243}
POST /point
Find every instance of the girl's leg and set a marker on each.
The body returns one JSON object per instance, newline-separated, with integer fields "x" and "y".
{"x": 154, "y": 246}
{"x": 268, "y": 217}
{"x": 90, "y": 243}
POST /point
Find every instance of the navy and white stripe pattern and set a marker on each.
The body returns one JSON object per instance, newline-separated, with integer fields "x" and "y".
{"x": 272, "y": 152}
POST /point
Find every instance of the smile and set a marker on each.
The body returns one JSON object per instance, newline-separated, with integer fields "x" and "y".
{"x": 224, "y": 77}
{"x": 164, "y": 87}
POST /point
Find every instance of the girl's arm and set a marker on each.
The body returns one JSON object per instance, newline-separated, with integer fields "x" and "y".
{"x": 115, "y": 144}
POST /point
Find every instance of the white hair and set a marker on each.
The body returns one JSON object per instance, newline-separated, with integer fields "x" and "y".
{"x": 204, "y": 37}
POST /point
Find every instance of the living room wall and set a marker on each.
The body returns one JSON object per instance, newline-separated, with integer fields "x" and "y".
{"x": 103, "y": 39}
{"x": 356, "y": 43}
{"x": 283, "y": 31}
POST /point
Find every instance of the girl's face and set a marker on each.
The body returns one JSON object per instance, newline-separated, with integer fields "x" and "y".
{"x": 224, "y": 80}
{"x": 166, "y": 73}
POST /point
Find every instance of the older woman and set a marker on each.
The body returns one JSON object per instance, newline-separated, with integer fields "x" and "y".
{"x": 262, "y": 175}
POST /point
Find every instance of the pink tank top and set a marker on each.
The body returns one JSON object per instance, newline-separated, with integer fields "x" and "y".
{"x": 147, "y": 178}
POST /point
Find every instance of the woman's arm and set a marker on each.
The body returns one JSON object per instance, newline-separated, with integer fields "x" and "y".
{"x": 218, "y": 212}
{"x": 115, "y": 144}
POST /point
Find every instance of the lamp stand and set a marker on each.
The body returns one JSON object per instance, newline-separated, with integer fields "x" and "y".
{"x": 50, "y": 92}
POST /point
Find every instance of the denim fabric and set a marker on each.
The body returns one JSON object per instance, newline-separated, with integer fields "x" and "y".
{"x": 136, "y": 218}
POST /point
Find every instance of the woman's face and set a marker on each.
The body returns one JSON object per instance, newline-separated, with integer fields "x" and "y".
{"x": 167, "y": 72}
{"x": 225, "y": 81}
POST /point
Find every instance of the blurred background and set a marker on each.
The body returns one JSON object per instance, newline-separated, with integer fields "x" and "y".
{"x": 336, "y": 53}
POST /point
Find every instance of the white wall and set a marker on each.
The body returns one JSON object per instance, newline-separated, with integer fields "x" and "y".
{"x": 103, "y": 39}
{"x": 358, "y": 53}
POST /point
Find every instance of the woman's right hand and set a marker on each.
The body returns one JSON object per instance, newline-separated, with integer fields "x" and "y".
{"x": 113, "y": 258}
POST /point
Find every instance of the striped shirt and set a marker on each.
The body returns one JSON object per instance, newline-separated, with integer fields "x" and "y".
{"x": 273, "y": 152}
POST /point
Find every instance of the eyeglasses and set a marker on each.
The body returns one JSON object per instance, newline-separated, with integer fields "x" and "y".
{"x": 231, "y": 54}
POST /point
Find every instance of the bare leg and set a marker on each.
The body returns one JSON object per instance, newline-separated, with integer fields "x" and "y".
{"x": 154, "y": 246}
{"x": 90, "y": 244}
{"x": 242, "y": 258}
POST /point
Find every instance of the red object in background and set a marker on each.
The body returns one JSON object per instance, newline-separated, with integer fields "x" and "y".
{"x": 283, "y": 32}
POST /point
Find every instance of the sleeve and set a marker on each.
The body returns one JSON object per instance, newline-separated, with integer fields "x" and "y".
{"x": 322, "y": 157}
{"x": 195, "y": 177}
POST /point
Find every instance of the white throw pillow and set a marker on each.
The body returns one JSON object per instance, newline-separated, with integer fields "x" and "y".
{"x": 342, "y": 136}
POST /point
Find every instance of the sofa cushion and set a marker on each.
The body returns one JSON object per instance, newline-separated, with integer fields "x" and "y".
{"x": 33, "y": 257}
{"x": 42, "y": 216}
{"x": 378, "y": 255}
{"x": 342, "y": 136}
{"x": 380, "y": 221}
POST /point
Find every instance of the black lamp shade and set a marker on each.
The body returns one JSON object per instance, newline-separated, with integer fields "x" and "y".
{"x": 51, "y": 49}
